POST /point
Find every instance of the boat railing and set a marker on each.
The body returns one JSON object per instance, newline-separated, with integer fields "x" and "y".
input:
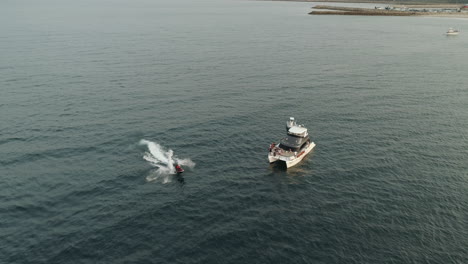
{"x": 286, "y": 153}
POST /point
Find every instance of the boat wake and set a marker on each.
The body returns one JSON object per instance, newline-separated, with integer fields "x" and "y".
{"x": 163, "y": 160}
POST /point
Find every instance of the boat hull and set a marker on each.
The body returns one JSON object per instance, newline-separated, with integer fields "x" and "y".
{"x": 290, "y": 161}
{"x": 272, "y": 158}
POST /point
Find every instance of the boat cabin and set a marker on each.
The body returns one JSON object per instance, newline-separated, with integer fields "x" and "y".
{"x": 298, "y": 131}
{"x": 293, "y": 143}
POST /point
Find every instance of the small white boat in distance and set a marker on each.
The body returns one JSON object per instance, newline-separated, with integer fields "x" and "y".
{"x": 452, "y": 32}
{"x": 294, "y": 147}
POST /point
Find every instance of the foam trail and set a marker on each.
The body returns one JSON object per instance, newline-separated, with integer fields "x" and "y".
{"x": 156, "y": 150}
{"x": 163, "y": 160}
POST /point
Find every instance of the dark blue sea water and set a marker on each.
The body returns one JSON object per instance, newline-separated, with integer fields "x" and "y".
{"x": 83, "y": 82}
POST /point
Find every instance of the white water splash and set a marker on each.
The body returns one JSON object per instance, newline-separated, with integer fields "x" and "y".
{"x": 163, "y": 160}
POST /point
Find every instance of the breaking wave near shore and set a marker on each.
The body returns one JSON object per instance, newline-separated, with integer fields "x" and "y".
{"x": 163, "y": 160}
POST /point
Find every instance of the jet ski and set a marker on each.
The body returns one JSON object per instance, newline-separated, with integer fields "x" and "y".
{"x": 178, "y": 168}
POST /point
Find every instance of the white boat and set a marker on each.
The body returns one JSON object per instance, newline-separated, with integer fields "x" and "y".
{"x": 452, "y": 32}
{"x": 293, "y": 148}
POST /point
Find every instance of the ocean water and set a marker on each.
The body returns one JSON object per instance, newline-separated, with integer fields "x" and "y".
{"x": 98, "y": 97}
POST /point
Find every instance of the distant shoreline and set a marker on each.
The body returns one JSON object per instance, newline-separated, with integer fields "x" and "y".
{"x": 403, "y": 8}
{"x": 405, "y": 3}
{"x": 345, "y": 11}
